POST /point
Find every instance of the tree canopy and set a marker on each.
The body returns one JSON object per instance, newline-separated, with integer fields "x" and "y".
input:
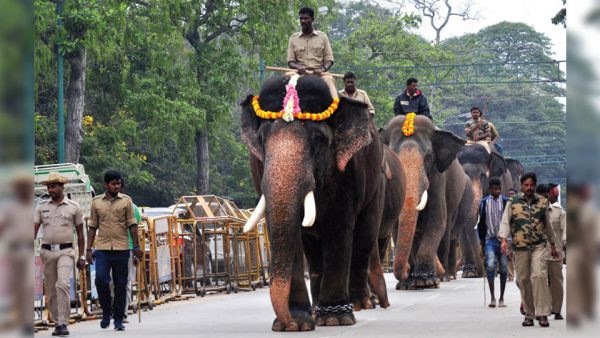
{"x": 163, "y": 81}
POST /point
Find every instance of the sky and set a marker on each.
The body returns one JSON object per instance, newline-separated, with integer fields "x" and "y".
{"x": 536, "y": 13}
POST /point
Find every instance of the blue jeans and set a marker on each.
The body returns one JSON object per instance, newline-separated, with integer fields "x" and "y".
{"x": 117, "y": 261}
{"x": 493, "y": 257}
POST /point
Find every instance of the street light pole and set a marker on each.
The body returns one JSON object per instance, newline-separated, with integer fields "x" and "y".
{"x": 61, "y": 113}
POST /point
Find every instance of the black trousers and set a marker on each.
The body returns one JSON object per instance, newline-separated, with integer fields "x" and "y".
{"x": 115, "y": 260}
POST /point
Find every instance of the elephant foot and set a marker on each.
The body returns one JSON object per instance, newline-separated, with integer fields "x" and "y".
{"x": 470, "y": 271}
{"x": 364, "y": 304}
{"x": 301, "y": 321}
{"x": 407, "y": 284}
{"x": 426, "y": 280}
{"x": 335, "y": 315}
{"x": 444, "y": 278}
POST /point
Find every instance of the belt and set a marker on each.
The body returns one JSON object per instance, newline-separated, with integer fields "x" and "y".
{"x": 56, "y": 247}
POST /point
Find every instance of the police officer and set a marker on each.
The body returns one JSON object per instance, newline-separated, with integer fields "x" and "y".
{"x": 58, "y": 216}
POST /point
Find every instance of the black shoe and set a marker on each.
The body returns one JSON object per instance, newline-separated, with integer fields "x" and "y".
{"x": 60, "y": 331}
{"x": 105, "y": 322}
{"x": 119, "y": 326}
{"x": 527, "y": 322}
{"x": 558, "y": 316}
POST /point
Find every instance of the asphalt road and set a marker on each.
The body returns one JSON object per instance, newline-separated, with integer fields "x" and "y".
{"x": 456, "y": 309}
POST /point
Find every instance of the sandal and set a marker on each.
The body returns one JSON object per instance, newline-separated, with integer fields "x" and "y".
{"x": 492, "y": 303}
{"x": 501, "y": 303}
{"x": 527, "y": 322}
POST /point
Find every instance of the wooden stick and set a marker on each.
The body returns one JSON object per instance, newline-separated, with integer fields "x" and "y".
{"x": 282, "y": 69}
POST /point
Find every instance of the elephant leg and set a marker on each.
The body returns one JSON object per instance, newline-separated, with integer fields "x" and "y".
{"x": 314, "y": 257}
{"x": 451, "y": 270}
{"x": 472, "y": 266}
{"x": 299, "y": 303}
{"x": 377, "y": 279}
{"x": 365, "y": 251}
{"x": 424, "y": 271}
{"x": 333, "y": 305}
{"x": 442, "y": 254}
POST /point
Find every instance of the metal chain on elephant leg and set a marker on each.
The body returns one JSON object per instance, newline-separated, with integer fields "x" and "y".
{"x": 321, "y": 311}
{"x": 469, "y": 267}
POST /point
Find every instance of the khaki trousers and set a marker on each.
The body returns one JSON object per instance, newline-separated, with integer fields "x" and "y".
{"x": 58, "y": 270}
{"x": 511, "y": 268}
{"x": 532, "y": 274}
{"x": 329, "y": 80}
{"x": 556, "y": 284}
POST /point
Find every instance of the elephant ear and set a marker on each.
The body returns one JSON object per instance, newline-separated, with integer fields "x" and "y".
{"x": 351, "y": 128}
{"x": 250, "y": 124}
{"x": 498, "y": 165}
{"x": 384, "y": 136}
{"x": 446, "y": 146}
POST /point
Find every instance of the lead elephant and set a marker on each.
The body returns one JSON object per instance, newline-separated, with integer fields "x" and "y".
{"x": 322, "y": 192}
{"x": 435, "y": 184}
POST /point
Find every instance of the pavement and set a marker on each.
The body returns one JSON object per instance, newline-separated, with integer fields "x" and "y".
{"x": 456, "y": 309}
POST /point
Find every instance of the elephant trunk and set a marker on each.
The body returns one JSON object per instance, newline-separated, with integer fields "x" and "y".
{"x": 415, "y": 200}
{"x": 287, "y": 185}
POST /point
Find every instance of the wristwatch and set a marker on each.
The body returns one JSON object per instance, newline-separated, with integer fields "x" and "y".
{"x": 82, "y": 257}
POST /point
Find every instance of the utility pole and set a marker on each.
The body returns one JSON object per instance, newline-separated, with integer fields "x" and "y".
{"x": 61, "y": 113}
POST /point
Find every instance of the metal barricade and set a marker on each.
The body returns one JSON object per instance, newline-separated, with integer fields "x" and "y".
{"x": 246, "y": 259}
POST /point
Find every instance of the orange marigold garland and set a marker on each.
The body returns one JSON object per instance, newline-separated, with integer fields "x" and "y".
{"x": 408, "y": 128}
{"x": 270, "y": 115}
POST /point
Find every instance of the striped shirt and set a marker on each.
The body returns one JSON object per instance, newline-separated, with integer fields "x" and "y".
{"x": 493, "y": 216}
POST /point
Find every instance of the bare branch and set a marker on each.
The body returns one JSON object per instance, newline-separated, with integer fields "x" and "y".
{"x": 432, "y": 10}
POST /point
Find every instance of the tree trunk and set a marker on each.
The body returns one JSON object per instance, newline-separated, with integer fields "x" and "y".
{"x": 75, "y": 97}
{"x": 202, "y": 162}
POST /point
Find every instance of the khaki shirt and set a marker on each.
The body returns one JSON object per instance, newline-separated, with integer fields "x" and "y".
{"x": 485, "y": 127}
{"x": 493, "y": 130}
{"x": 359, "y": 95}
{"x": 112, "y": 218}
{"x": 311, "y": 50}
{"x": 58, "y": 220}
{"x": 558, "y": 219}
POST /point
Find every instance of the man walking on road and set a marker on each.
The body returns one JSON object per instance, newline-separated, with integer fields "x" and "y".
{"x": 58, "y": 216}
{"x": 112, "y": 217}
{"x": 491, "y": 209}
{"x": 558, "y": 219}
{"x": 526, "y": 220}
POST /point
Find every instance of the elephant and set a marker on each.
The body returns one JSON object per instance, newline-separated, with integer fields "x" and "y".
{"x": 435, "y": 185}
{"x": 322, "y": 192}
{"x": 480, "y": 165}
{"x": 393, "y": 201}
{"x": 516, "y": 170}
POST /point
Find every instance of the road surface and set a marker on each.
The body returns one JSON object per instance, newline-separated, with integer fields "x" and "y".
{"x": 456, "y": 309}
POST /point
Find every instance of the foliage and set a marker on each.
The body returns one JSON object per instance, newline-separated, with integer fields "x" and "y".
{"x": 160, "y": 71}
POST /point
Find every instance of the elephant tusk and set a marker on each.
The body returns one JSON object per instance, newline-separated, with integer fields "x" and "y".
{"x": 310, "y": 210}
{"x": 256, "y": 215}
{"x": 423, "y": 201}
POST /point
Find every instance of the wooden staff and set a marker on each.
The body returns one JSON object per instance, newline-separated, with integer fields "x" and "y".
{"x": 282, "y": 69}
{"x": 139, "y": 284}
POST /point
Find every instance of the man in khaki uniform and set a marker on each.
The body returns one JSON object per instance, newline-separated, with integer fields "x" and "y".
{"x": 558, "y": 219}
{"x": 526, "y": 220}
{"x": 58, "y": 216}
{"x": 113, "y": 218}
{"x": 352, "y": 92}
{"x": 309, "y": 50}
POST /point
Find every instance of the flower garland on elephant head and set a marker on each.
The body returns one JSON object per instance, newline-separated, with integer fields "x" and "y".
{"x": 408, "y": 128}
{"x": 291, "y": 106}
